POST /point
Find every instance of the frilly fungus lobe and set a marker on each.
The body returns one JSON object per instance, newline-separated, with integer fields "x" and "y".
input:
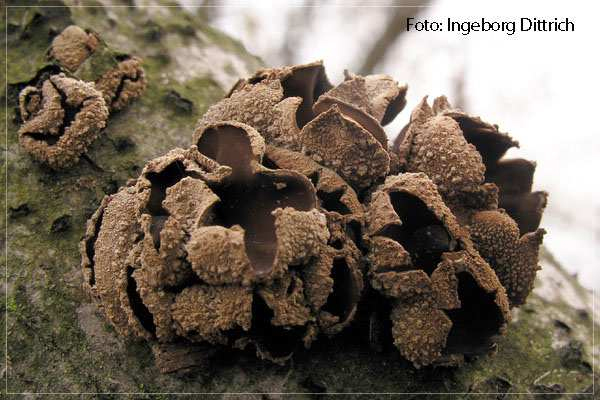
{"x": 481, "y": 159}
{"x": 261, "y": 232}
{"x": 462, "y": 155}
{"x": 445, "y": 300}
{"x": 60, "y": 120}
{"x": 123, "y": 83}
{"x": 73, "y": 46}
{"x": 338, "y": 127}
{"x": 216, "y": 247}
{"x": 434, "y": 144}
{"x": 513, "y": 257}
{"x": 119, "y": 77}
{"x": 64, "y": 108}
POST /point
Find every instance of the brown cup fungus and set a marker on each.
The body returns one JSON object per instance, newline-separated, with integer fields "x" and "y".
{"x": 260, "y": 234}
{"x": 119, "y": 77}
{"x": 338, "y": 127}
{"x": 489, "y": 195}
{"x": 213, "y": 246}
{"x": 60, "y": 120}
{"x": 73, "y": 46}
{"x": 445, "y": 301}
{"x": 123, "y": 83}
{"x": 65, "y": 107}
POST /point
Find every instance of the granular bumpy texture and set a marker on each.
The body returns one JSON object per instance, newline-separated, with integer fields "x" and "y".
{"x": 478, "y": 160}
{"x": 489, "y": 195}
{"x": 60, "y": 120}
{"x": 514, "y": 257}
{"x": 210, "y": 245}
{"x": 118, "y": 76}
{"x": 73, "y": 46}
{"x": 435, "y": 145}
{"x": 123, "y": 83}
{"x": 297, "y": 108}
{"x": 445, "y": 300}
{"x": 64, "y": 108}
{"x": 290, "y": 217}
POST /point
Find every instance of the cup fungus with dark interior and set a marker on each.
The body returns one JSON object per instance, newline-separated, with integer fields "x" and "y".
{"x": 213, "y": 246}
{"x": 444, "y": 300}
{"x": 60, "y": 119}
{"x": 338, "y": 127}
{"x": 489, "y": 195}
{"x": 290, "y": 202}
{"x": 64, "y": 108}
{"x": 83, "y": 53}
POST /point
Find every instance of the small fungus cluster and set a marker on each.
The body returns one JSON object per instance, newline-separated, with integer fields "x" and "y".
{"x": 290, "y": 209}
{"x": 65, "y": 107}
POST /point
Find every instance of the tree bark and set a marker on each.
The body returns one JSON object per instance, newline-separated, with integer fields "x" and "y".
{"x": 58, "y": 341}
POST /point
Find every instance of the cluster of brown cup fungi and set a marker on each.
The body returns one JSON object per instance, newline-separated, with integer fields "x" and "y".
{"x": 66, "y": 106}
{"x": 290, "y": 208}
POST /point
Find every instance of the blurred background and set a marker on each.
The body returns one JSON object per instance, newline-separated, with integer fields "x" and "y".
{"x": 540, "y": 87}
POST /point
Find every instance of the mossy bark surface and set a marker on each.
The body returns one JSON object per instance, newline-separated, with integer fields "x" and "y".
{"x": 59, "y": 342}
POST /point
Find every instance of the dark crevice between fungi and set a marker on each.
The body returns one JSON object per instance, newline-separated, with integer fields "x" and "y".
{"x": 330, "y": 201}
{"x": 277, "y": 341}
{"x": 188, "y": 280}
{"x": 119, "y": 90}
{"x": 421, "y": 234}
{"x": 344, "y": 296}
{"x": 314, "y": 178}
{"x": 374, "y": 321}
{"x": 193, "y": 334}
{"x": 70, "y": 110}
{"x": 235, "y": 334}
{"x": 91, "y": 250}
{"x": 137, "y": 305}
{"x": 42, "y": 75}
{"x": 160, "y": 181}
{"x": 309, "y": 84}
{"x": 50, "y": 140}
{"x": 268, "y": 163}
{"x": 476, "y": 322}
{"x": 254, "y": 80}
{"x": 354, "y": 231}
{"x": 337, "y": 244}
{"x": 122, "y": 57}
{"x": 292, "y": 286}
{"x": 250, "y": 204}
